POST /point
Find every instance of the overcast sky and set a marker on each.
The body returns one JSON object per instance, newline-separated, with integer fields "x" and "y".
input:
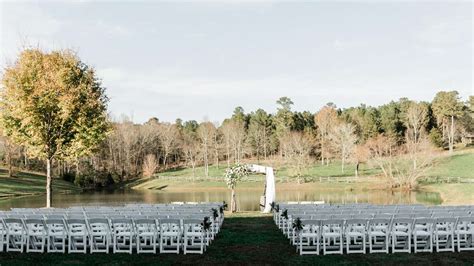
{"x": 201, "y": 60}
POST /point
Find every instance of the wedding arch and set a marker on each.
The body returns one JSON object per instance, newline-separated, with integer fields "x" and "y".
{"x": 269, "y": 193}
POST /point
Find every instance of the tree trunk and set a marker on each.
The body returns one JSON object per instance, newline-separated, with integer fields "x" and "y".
{"x": 264, "y": 145}
{"x": 9, "y": 161}
{"x": 48, "y": 183}
{"x": 233, "y": 203}
{"x": 26, "y": 161}
{"x": 342, "y": 164}
{"x": 206, "y": 165}
{"x": 357, "y": 169}
{"x": 322, "y": 154}
{"x": 451, "y": 136}
{"x": 164, "y": 160}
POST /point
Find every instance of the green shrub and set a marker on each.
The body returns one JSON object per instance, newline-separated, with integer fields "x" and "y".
{"x": 436, "y": 137}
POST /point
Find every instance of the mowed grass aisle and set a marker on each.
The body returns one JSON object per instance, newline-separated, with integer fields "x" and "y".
{"x": 246, "y": 238}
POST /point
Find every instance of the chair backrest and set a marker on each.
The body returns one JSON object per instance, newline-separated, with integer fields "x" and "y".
{"x": 170, "y": 221}
{"x": 77, "y": 225}
{"x": 145, "y": 221}
{"x": 357, "y": 222}
{"x": 466, "y": 219}
{"x": 332, "y": 222}
{"x": 408, "y": 222}
{"x": 424, "y": 221}
{"x": 14, "y": 224}
{"x": 92, "y": 221}
{"x": 54, "y": 216}
{"x": 35, "y": 222}
{"x": 379, "y": 224}
{"x": 445, "y": 220}
{"x": 13, "y": 221}
{"x": 192, "y": 222}
{"x": 55, "y": 222}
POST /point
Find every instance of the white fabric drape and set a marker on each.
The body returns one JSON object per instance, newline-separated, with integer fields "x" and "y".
{"x": 270, "y": 193}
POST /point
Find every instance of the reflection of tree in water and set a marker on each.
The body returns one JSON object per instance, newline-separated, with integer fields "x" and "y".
{"x": 248, "y": 200}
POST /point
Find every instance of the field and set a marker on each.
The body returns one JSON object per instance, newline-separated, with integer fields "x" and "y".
{"x": 25, "y": 184}
{"x": 246, "y": 238}
{"x": 459, "y": 167}
{"x": 460, "y": 164}
{"x": 315, "y": 170}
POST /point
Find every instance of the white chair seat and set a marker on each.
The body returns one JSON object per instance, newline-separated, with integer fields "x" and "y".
{"x": 422, "y": 233}
{"x": 377, "y": 233}
{"x": 399, "y": 233}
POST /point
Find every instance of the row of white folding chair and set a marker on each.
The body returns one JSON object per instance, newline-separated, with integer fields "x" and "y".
{"x": 367, "y": 206}
{"x": 422, "y": 231}
{"x": 34, "y": 232}
{"x": 286, "y": 223}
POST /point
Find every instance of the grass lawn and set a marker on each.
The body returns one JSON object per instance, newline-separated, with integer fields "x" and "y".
{"x": 246, "y": 238}
{"x": 316, "y": 170}
{"x": 457, "y": 165}
{"x": 29, "y": 184}
{"x": 460, "y": 164}
{"x": 182, "y": 185}
{"x": 454, "y": 194}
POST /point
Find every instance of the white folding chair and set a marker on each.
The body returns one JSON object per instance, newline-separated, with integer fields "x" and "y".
{"x": 170, "y": 235}
{"x": 16, "y": 234}
{"x": 194, "y": 236}
{"x": 35, "y": 235}
{"x": 99, "y": 235}
{"x": 147, "y": 234}
{"x": 123, "y": 235}
{"x": 444, "y": 234}
{"x": 355, "y": 231}
{"x": 77, "y": 235}
{"x": 465, "y": 233}
{"x": 57, "y": 235}
{"x": 332, "y": 231}
{"x": 378, "y": 232}
{"x": 423, "y": 235}
{"x": 401, "y": 234}
{"x": 309, "y": 237}
{"x": 3, "y": 234}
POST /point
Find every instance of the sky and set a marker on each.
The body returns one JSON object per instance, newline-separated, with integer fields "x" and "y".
{"x": 199, "y": 60}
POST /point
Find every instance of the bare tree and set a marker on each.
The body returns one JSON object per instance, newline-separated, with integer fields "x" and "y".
{"x": 343, "y": 138}
{"x": 405, "y": 174}
{"x": 206, "y": 132}
{"x": 191, "y": 148}
{"x": 149, "y": 165}
{"x": 234, "y": 140}
{"x": 296, "y": 148}
{"x": 325, "y": 119}
{"x": 216, "y": 144}
{"x": 11, "y": 151}
{"x": 396, "y": 164}
{"x": 415, "y": 121}
{"x": 168, "y": 139}
{"x": 360, "y": 155}
{"x": 381, "y": 150}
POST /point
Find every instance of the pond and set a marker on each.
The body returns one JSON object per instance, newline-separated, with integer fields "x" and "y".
{"x": 247, "y": 200}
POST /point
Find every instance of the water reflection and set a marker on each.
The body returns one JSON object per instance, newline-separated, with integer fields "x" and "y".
{"x": 248, "y": 200}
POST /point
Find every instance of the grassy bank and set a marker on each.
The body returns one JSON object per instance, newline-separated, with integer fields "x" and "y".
{"x": 24, "y": 184}
{"x": 453, "y": 194}
{"x": 182, "y": 185}
{"x": 246, "y": 238}
{"x": 460, "y": 164}
{"x": 315, "y": 170}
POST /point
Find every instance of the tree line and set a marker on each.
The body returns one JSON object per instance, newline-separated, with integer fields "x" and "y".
{"x": 397, "y": 137}
{"x": 349, "y": 135}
